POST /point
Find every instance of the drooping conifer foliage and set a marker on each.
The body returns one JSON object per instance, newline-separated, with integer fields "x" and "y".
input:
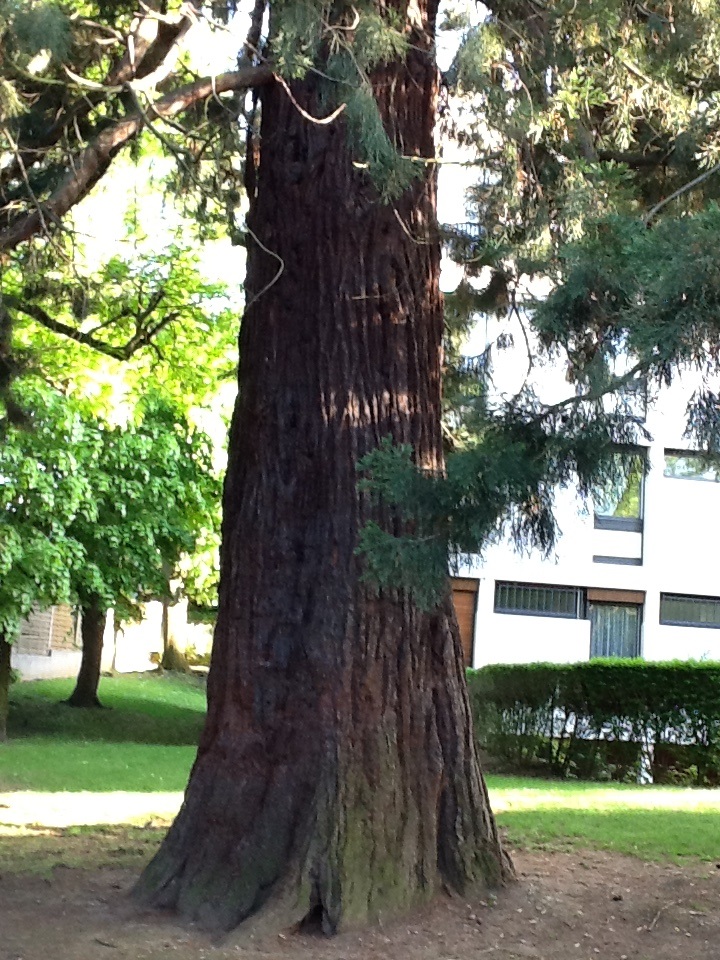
{"x": 597, "y": 125}
{"x": 595, "y": 130}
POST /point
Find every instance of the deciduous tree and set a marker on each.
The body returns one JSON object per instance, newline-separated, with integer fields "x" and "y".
{"x": 154, "y": 492}
{"x": 42, "y": 488}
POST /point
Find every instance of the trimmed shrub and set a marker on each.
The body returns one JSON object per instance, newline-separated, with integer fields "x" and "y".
{"x": 602, "y": 718}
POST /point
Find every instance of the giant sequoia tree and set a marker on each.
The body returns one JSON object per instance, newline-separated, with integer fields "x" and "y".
{"x": 336, "y": 778}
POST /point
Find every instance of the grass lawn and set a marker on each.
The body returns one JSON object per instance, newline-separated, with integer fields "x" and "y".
{"x": 144, "y": 741}
{"x": 107, "y": 763}
{"x": 655, "y": 823}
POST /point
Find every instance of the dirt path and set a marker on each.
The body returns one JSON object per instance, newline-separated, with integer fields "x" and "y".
{"x": 583, "y": 906}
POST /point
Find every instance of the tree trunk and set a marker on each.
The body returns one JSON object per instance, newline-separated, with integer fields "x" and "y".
{"x": 4, "y": 686}
{"x": 173, "y": 657}
{"x": 92, "y": 630}
{"x": 336, "y": 779}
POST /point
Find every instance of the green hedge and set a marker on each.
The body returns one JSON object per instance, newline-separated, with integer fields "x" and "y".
{"x": 599, "y": 718}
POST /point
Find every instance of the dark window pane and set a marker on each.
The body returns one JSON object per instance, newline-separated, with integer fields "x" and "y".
{"x": 615, "y": 630}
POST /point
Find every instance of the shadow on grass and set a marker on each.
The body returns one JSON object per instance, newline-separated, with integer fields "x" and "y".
{"x": 668, "y": 834}
{"x": 132, "y": 715}
{"x": 40, "y": 852}
{"x": 180, "y": 726}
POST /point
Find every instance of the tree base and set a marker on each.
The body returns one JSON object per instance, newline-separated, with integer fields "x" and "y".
{"x": 84, "y": 703}
{"x": 340, "y": 811}
{"x": 173, "y": 659}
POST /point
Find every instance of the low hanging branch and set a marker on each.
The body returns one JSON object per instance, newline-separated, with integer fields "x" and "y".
{"x": 95, "y": 159}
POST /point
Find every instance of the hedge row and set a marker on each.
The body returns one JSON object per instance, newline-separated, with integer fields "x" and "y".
{"x": 602, "y": 718}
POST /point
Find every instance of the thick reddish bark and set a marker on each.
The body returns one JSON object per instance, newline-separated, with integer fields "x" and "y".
{"x": 92, "y": 630}
{"x": 337, "y": 778}
{"x": 4, "y": 686}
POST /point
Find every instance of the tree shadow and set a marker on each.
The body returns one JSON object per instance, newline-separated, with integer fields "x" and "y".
{"x": 134, "y": 720}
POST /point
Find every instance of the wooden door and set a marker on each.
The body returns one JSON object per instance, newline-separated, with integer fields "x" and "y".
{"x": 465, "y": 591}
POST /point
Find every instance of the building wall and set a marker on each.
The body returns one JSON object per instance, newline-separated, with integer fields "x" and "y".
{"x": 49, "y": 644}
{"x": 35, "y": 633}
{"x": 675, "y": 553}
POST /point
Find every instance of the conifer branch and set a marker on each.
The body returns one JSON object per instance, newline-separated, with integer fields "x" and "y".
{"x": 593, "y": 395}
{"x": 685, "y": 188}
{"x": 151, "y": 46}
{"x": 96, "y": 158}
{"x": 635, "y": 159}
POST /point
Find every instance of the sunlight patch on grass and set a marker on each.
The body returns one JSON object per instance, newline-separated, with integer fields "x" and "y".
{"x": 655, "y": 823}
{"x": 61, "y": 810}
{"x": 544, "y": 795}
{"x": 144, "y": 742}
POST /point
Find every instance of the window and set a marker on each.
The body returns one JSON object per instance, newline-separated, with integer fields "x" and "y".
{"x": 539, "y": 600}
{"x": 619, "y": 506}
{"x": 684, "y": 465}
{"x": 686, "y": 611}
{"x": 615, "y": 629}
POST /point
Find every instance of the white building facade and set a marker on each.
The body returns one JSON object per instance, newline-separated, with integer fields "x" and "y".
{"x": 635, "y": 576}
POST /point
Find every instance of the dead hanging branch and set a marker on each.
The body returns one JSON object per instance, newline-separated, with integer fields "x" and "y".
{"x": 94, "y": 160}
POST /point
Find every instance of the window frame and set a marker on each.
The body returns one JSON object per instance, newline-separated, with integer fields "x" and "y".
{"x": 693, "y": 598}
{"x": 580, "y": 600}
{"x": 621, "y": 561}
{"x": 629, "y": 524}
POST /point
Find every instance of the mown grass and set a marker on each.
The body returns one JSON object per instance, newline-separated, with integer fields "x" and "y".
{"x": 144, "y": 740}
{"x": 654, "y": 823}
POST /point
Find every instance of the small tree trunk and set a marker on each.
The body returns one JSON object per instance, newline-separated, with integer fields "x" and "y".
{"x": 173, "y": 657}
{"x": 92, "y": 631}
{"x": 4, "y": 686}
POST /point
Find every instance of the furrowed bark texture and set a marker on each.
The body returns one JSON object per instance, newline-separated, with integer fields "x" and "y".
{"x": 4, "y": 686}
{"x": 92, "y": 629}
{"x": 336, "y": 778}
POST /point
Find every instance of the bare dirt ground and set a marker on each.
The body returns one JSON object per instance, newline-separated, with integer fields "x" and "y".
{"x": 566, "y": 906}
